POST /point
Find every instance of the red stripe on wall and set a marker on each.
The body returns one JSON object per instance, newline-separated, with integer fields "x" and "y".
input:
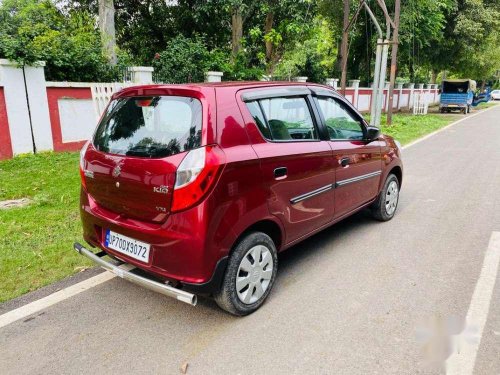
{"x": 5, "y": 141}
{"x": 53, "y": 96}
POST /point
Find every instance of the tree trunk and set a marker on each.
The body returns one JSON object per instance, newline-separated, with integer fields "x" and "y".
{"x": 107, "y": 28}
{"x": 236, "y": 31}
{"x": 433, "y": 76}
{"x": 343, "y": 47}
{"x": 267, "y": 29}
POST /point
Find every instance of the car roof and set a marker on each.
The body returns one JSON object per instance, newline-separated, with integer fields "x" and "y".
{"x": 235, "y": 84}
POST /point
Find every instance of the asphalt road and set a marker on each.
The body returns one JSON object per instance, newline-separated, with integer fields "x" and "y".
{"x": 361, "y": 297}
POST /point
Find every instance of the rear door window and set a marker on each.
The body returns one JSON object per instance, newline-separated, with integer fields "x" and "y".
{"x": 152, "y": 127}
{"x": 284, "y": 119}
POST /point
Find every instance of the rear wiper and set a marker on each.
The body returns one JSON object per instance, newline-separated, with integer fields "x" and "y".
{"x": 149, "y": 151}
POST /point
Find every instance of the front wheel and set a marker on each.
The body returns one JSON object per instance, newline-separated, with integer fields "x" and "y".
{"x": 249, "y": 276}
{"x": 386, "y": 204}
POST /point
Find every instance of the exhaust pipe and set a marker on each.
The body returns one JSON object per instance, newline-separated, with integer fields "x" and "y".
{"x": 155, "y": 286}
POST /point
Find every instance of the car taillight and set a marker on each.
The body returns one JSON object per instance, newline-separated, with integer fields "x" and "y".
{"x": 82, "y": 164}
{"x": 195, "y": 176}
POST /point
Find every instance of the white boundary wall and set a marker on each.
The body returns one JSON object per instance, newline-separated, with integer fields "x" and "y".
{"x": 31, "y": 104}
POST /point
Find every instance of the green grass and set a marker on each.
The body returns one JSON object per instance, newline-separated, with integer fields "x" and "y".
{"x": 408, "y": 127}
{"x": 36, "y": 241}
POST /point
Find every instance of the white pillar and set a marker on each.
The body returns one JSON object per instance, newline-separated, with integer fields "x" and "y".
{"x": 27, "y": 123}
{"x": 142, "y": 74}
{"x": 399, "y": 87}
{"x": 39, "y": 106}
{"x": 300, "y": 79}
{"x": 354, "y": 83}
{"x": 332, "y": 82}
{"x": 421, "y": 86}
{"x": 213, "y": 76}
{"x": 386, "y": 95}
{"x": 265, "y": 78}
{"x": 411, "y": 86}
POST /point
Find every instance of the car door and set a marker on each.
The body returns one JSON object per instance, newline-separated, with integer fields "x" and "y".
{"x": 296, "y": 165}
{"x": 357, "y": 162}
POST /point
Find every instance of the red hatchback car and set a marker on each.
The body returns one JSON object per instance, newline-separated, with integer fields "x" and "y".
{"x": 198, "y": 187}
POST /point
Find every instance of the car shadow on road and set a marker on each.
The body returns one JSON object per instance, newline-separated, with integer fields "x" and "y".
{"x": 297, "y": 259}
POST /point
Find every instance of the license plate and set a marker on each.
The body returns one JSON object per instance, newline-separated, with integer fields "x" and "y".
{"x": 128, "y": 246}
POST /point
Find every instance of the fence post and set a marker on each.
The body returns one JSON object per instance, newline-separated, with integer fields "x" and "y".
{"x": 399, "y": 87}
{"x": 411, "y": 86}
{"x": 142, "y": 74}
{"x": 354, "y": 83}
{"x": 386, "y": 96}
{"x": 213, "y": 76}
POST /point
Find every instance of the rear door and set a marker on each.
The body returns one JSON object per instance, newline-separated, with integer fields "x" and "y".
{"x": 296, "y": 165}
{"x": 130, "y": 167}
{"x": 357, "y": 163}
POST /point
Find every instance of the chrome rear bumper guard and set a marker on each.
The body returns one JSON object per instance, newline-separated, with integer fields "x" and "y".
{"x": 156, "y": 286}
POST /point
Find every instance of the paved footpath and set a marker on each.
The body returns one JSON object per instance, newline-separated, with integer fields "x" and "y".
{"x": 361, "y": 297}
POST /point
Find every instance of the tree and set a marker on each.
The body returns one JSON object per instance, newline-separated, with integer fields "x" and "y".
{"x": 34, "y": 30}
{"x": 107, "y": 27}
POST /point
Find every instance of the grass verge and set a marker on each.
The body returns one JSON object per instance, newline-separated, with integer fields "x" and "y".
{"x": 36, "y": 241}
{"x": 407, "y": 127}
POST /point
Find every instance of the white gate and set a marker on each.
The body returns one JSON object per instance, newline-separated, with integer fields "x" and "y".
{"x": 420, "y": 103}
{"x": 102, "y": 93}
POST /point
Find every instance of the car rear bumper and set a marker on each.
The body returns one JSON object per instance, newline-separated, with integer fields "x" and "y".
{"x": 182, "y": 248}
{"x": 156, "y": 286}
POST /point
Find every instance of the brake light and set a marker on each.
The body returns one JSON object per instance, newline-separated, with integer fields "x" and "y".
{"x": 195, "y": 176}
{"x": 82, "y": 164}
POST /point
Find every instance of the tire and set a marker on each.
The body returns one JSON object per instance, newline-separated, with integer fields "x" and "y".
{"x": 259, "y": 279}
{"x": 381, "y": 209}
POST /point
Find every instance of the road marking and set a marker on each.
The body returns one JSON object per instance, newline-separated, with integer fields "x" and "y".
{"x": 52, "y": 299}
{"x": 462, "y": 361}
{"x": 447, "y": 127}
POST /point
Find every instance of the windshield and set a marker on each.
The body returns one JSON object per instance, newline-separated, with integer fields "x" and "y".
{"x": 151, "y": 127}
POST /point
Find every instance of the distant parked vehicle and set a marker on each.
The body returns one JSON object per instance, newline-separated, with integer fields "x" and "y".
{"x": 495, "y": 95}
{"x": 457, "y": 95}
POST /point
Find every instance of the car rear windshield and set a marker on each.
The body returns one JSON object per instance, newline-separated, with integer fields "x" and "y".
{"x": 153, "y": 127}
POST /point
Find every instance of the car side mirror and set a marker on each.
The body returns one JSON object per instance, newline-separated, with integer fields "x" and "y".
{"x": 372, "y": 133}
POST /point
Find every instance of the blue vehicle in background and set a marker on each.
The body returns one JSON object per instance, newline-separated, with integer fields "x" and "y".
{"x": 457, "y": 95}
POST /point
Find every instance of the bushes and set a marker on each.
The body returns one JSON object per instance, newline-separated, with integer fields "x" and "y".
{"x": 187, "y": 60}
{"x": 183, "y": 60}
{"x": 36, "y": 30}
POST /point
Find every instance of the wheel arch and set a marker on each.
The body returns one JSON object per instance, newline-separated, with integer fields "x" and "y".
{"x": 398, "y": 172}
{"x": 267, "y": 226}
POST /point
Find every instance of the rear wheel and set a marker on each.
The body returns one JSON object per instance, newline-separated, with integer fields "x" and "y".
{"x": 385, "y": 206}
{"x": 249, "y": 276}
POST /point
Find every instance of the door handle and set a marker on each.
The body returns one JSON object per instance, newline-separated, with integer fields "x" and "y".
{"x": 280, "y": 172}
{"x": 345, "y": 162}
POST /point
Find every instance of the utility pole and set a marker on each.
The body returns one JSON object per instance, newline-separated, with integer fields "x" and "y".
{"x": 394, "y": 56}
{"x": 107, "y": 28}
{"x": 343, "y": 47}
